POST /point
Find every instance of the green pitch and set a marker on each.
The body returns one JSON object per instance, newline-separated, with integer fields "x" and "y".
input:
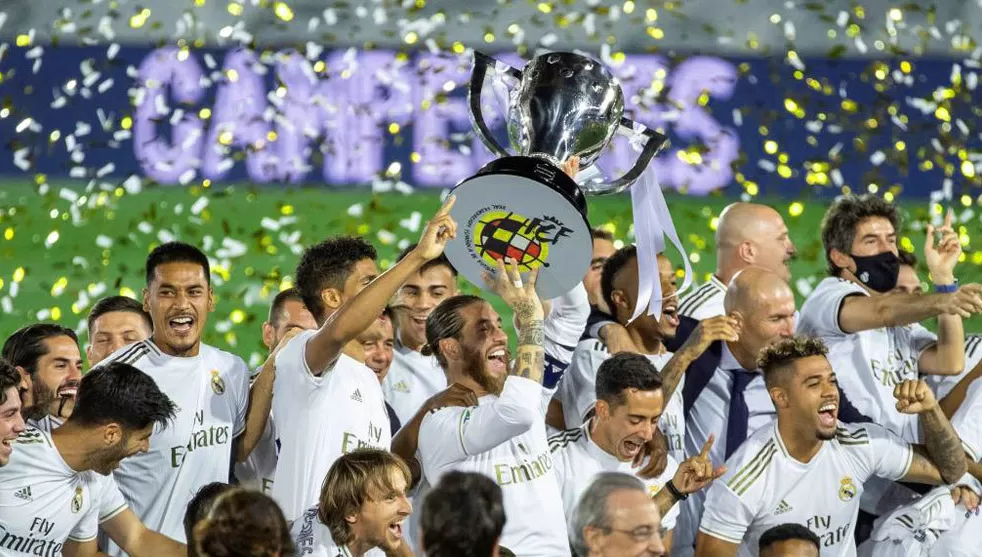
{"x": 63, "y": 249}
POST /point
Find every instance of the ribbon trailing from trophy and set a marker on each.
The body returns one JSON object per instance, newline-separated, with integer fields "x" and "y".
{"x": 652, "y": 223}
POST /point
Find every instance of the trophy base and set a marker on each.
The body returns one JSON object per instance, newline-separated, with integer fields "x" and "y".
{"x": 526, "y": 209}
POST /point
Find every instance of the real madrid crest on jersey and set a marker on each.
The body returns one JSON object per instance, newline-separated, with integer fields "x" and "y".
{"x": 77, "y": 500}
{"x": 217, "y": 384}
{"x": 847, "y": 490}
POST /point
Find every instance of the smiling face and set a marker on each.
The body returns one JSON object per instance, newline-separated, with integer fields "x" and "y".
{"x": 11, "y": 423}
{"x": 379, "y": 522}
{"x": 376, "y": 343}
{"x": 417, "y": 297}
{"x": 119, "y": 444}
{"x": 55, "y": 383}
{"x": 625, "y": 296}
{"x": 292, "y": 315}
{"x": 809, "y": 396}
{"x": 484, "y": 347}
{"x": 178, "y": 300}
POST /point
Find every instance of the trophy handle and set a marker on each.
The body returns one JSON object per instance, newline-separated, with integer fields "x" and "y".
{"x": 481, "y": 64}
{"x": 654, "y": 143}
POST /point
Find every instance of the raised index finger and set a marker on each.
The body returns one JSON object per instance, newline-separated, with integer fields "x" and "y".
{"x": 707, "y": 445}
{"x": 947, "y": 218}
{"x": 447, "y": 205}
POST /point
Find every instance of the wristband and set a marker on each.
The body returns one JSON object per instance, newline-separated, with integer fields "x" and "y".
{"x": 946, "y": 288}
{"x": 678, "y": 495}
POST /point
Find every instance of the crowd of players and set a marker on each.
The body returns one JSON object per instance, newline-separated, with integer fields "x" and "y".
{"x": 392, "y": 418}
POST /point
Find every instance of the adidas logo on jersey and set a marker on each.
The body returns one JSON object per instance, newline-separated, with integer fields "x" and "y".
{"x": 356, "y": 396}
{"x": 782, "y": 507}
{"x": 401, "y": 387}
{"x": 24, "y": 493}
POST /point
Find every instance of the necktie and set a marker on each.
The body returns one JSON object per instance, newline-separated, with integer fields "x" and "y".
{"x": 736, "y": 421}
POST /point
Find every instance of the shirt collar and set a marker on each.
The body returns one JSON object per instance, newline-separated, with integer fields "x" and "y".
{"x": 593, "y": 449}
{"x": 728, "y": 362}
{"x": 717, "y": 283}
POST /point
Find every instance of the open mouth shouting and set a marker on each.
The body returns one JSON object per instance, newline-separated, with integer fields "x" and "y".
{"x": 828, "y": 413}
{"x": 498, "y": 357}
{"x": 68, "y": 390}
{"x": 395, "y": 529}
{"x": 671, "y": 313}
{"x": 182, "y": 324}
{"x": 631, "y": 447}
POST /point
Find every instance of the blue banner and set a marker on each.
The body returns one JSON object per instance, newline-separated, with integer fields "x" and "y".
{"x": 779, "y": 126}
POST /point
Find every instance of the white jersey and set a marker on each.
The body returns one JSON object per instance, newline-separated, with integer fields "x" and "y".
{"x": 44, "y": 503}
{"x": 46, "y": 424}
{"x": 704, "y": 302}
{"x": 320, "y": 418}
{"x": 259, "y": 468}
{"x": 579, "y": 461}
{"x": 211, "y": 392}
{"x": 943, "y": 384}
{"x": 868, "y": 364}
{"x": 504, "y": 438}
{"x": 577, "y": 393}
{"x": 764, "y": 487}
{"x": 412, "y": 379}
{"x": 312, "y": 538}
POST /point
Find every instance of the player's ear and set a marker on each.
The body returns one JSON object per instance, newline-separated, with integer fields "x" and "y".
{"x": 747, "y": 252}
{"x": 269, "y": 335}
{"x": 619, "y": 299}
{"x": 602, "y": 409}
{"x": 112, "y": 434}
{"x": 146, "y": 300}
{"x": 332, "y": 298}
{"x": 450, "y": 348}
{"x": 211, "y": 299}
{"x": 779, "y": 395}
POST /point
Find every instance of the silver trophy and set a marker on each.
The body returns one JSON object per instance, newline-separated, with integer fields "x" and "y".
{"x": 524, "y": 206}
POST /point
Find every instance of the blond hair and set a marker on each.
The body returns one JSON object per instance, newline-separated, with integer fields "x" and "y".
{"x": 353, "y": 479}
{"x": 782, "y": 354}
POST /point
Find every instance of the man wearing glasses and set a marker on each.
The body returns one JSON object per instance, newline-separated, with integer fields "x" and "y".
{"x": 616, "y": 517}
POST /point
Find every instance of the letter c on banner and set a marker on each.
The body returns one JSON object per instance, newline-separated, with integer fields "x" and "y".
{"x": 166, "y": 161}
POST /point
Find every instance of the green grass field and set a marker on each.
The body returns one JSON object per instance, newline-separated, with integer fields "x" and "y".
{"x": 63, "y": 249}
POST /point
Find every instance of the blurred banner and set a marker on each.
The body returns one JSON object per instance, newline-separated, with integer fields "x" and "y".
{"x": 758, "y": 126}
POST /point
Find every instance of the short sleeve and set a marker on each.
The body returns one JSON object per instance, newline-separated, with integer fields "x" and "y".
{"x": 725, "y": 515}
{"x": 920, "y": 340}
{"x": 820, "y": 312}
{"x": 111, "y": 501}
{"x": 577, "y": 389}
{"x": 891, "y": 455}
{"x": 87, "y": 527}
{"x": 239, "y": 376}
{"x": 973, "y": 351}
{"x": 291, "y": 364}
{"x": 966, "y": 421}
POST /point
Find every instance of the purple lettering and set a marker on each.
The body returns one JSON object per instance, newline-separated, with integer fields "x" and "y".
{"x": 168, "y": 161}
{"x": 238, "y": 121}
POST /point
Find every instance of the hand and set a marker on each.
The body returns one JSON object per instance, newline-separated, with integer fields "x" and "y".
{"x": 617, "y": 339}
{"x": 518, "y": 294}
{"x": 914, "y": 397}
{"x": 439, "y": 230}
{"x": 572, "y": 166}
{"x": 454, "y": 395}
{"x": 965, "y": 302}
{"x": 271, "y": 359}
{"x": 656, "y": 451}
{"x": 721, "y": 327}
{"x": 697, "y": 472}
{"x": 941, "y": 259}
{"x": 966, "y": 497}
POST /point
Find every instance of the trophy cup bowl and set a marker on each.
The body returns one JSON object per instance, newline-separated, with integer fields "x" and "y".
{"x": 524, "y": 206}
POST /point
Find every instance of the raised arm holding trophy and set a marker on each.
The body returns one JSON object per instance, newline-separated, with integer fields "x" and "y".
{"x": 566, "y": 109}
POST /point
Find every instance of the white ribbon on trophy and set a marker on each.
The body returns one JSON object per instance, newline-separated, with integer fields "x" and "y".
{"x": 652, "y": 224}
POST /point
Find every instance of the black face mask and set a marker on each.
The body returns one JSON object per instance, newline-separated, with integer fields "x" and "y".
{"x": 879, "y": 272}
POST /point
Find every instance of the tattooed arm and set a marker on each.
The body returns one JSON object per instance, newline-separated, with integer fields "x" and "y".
{"x": 944, "y": 461}
{"x": 521, "y": 297}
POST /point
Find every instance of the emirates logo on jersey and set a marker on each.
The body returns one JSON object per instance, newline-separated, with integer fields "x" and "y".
{"x": 77, "y": 500}
{"x": 217, "y": 384}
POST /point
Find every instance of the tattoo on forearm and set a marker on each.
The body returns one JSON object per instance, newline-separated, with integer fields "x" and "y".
{"x": 532, "y": 334}
{"x": 943, "y": 445}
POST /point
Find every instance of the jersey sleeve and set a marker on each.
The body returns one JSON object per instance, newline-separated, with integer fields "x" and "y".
{"x": 239, "y": 377}
{"x": 565, "y": 323}
{"x": 921, "y": 339}
{"x": 725, "y": 516}
{"x": 111, "y": 501}
{"x": 87, "y": 527}
{"x": 891, "y": 455}
{"x": 577, "y": 389}
{"x": 966, "y": 421}
{"x": 820, "y": 312}
{"x": 291, "y": 364}
{"x": 450, "y": 435}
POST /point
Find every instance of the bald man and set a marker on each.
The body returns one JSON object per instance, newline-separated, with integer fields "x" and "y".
{"x": 747, "y": 235}
{"x": 724, "y": 392}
